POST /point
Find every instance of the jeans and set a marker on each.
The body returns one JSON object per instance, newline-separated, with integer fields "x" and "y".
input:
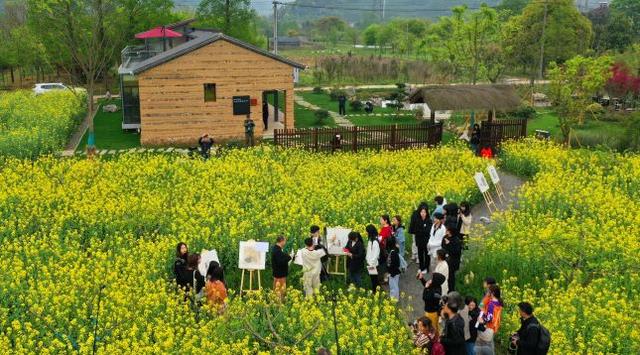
{"x": 470, "y": 345}
{"x": 484, "y": 348}
{"x": 401, "y": 246}
{"x": 394, "y": 286}
{"x": 354, "y": 278}
{"x": 342, "y": 110}
{"x": 374, "y": 282}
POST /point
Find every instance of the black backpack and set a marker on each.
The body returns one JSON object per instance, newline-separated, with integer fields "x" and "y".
{"x": 544, "y": 339}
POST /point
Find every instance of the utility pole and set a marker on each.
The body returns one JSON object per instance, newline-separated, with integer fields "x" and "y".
{"x": 384, "y": 4}
{"x": 275, "y": 27}
{"x": 544, "y": 25}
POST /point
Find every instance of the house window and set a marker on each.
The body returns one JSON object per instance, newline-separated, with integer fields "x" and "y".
{"x": 209, "y": 92}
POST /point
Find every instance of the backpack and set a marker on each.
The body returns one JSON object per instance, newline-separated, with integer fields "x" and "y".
{"x": 544, "y": 339}
{"x": 437, "y": 349}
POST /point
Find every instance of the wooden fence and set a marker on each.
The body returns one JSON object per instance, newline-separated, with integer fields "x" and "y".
{"x": 494, "y": 132}
{"x": 357, "y": 138}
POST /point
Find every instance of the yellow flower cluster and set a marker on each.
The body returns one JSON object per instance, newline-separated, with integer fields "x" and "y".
{"x": 81, "y": 238}
{"x": 571, "y": 249}
{"x": 33, "y": 125}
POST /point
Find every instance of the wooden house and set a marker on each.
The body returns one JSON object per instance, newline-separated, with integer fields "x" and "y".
{"x": 205, "y": 82}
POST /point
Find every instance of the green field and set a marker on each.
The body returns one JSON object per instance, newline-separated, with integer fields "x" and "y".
{"x": 108, "y": 130}
{"x": 304, "y": 118}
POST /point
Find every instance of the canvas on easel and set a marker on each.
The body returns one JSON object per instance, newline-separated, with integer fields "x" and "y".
{"x": 495, "y": 178}
{"x": 252, "y": 258}
{"x": 483, "y": 185}
{"x": 337, "y": 238}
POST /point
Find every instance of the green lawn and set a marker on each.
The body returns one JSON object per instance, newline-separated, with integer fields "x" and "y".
{"x": 382, "y": 120}
{"x": 108, "y": 130}
{"x": 547, "y": 120}
{"x": 304, "y": 118}
{"x": 323, "y": 101}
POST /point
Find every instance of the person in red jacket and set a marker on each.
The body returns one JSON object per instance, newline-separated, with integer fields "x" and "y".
{"x": 385, "y": 230}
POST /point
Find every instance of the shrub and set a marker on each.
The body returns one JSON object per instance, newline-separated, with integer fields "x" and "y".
{"x": 335, "y": 93}
{"x": 318, "y": 90}
{"x": 321, "y": 115}
{"x": 356, "y": 105}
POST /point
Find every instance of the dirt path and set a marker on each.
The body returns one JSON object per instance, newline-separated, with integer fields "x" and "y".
{"x": 412, "y": 287}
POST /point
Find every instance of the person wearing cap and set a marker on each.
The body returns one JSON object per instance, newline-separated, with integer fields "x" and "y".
{"x": 314, "y": 234}
{"x": 311, "y": 267}
{"x": 436, "y": 234}
{"x": 453, "y": 333}
{"x": 431, "y": 295}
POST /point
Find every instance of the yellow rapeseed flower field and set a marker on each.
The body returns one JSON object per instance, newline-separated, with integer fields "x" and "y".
{"x": 70, "y": 228}
{"x": 571, "y": 248}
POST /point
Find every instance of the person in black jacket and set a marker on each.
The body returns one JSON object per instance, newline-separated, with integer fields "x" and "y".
{"x": 474, "y": 313}
{"x": 431, "y": 296}
{"x": 280, "y": 265}
{"x": 196, "y": 280}
{"x": 393, "y": 267}
{"x": 528, "y": 335}
{"x": 453, "y": 334}
{"x": 355, "y": 258}
{"x": 453, "y": 246}
{"x": 420, "y": 227}
{"x": 180, "y": 265}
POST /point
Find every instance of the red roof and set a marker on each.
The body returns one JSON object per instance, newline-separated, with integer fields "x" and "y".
{"x": 158, "y": 32}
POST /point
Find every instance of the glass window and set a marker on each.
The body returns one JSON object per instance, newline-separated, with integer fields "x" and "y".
{"x": 209, "y": 92}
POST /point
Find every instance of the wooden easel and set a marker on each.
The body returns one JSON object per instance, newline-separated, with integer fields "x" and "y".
{"x": 334, "y": 268}
{"x": 251, "y": 284}
{"x": 495, "y": 179}
{"x": 483, "y": 185}
{"x": 489, "y": 201}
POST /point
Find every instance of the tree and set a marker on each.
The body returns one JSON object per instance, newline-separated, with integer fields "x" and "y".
{"x": 370, "y": 34}
{"x": 331, "y": 29}
{"x": 235, "y": 18}
{"x": 553, "y": 27}
{"x": 632, "y": 9}
{"x": 512, "y": 7}
{"x": 82, "y": 33}
{"x": 572, "y": 86}
{"x": 610, "y": 29}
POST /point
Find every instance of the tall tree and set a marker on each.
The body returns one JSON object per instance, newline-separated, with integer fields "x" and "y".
{"x": 547, "y": 30}
{"x": 632, "y": 9}
{"x": 82, "y": 30}
{"x": 572, "y": 86}
{"x": 610, "y": 29}
{"x": 235, "y": 18}
{"x": 512, "y": 7}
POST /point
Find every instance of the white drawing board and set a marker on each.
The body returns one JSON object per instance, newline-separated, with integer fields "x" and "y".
{"x": 253, "y": 255}
{"x": 483, "y": 185}
{"x": 493, "y": 174}
{"x": 337, "y": 239}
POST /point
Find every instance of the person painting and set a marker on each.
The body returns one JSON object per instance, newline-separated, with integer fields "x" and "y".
{"x": 215, "y": 290}
{"x": 205, "y": 142}
{"x": 355, "y": 254}
{"x": 280, "y": 264}
{"x": 265, "y": 114}
{"x": 249, "y": 128}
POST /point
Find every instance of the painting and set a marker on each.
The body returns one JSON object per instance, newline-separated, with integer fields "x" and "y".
{"x": 206, "y": 257}
{"x": 483, "y": 185}
{"x": 253, "y": 255}
{"x": 493, "y": 174}
{"x": 337, "y": 238}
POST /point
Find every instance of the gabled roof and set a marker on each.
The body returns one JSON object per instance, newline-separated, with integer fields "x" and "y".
{"x": 200, "y": 39}
{"x": 467, "y": 97}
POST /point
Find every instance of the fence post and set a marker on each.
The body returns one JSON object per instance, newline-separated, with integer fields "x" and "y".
{"x": 354, "y": 139}
{"x": 523, "y": 132}
{"x": 393, "y": 136}
{"x": 275, "y": 137}
{"x": 315, "y": 139}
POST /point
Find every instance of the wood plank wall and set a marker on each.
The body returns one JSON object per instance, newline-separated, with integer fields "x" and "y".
{"x": 172, "y": 106}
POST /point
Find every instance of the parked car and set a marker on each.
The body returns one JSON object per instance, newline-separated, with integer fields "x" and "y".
{"x": 41, "y": 88}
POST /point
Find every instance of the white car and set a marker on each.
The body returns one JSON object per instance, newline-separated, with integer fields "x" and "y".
{"x": 47, "y": 87}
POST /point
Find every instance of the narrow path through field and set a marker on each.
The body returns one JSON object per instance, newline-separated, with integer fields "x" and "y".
{"x": 412, "y": 287}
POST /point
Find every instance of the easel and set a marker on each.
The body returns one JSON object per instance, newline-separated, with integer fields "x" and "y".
{"x": 251, "y": 285}
{"x": 334, "y": 268}
{"x": 495, "y": 179}
{"x": 483, "y": 185}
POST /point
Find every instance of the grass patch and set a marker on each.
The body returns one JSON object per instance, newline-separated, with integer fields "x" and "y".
{"x": 108, "y": 130}
{"x": 382, "y": 120}
{"x": 305, "y": 118}
{"x": 323, "y": 100}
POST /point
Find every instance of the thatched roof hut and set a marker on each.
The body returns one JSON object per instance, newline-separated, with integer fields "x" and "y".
{"x": 467, "y": 97}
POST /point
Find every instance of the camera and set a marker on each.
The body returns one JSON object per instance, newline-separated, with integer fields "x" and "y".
{"x": 513, "y": 348}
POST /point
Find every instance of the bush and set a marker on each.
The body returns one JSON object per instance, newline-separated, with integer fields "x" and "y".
{"x": 632, "y": 136}
{"x": 356, "y": 105}
{"x": 335, "y": 93}
{"x": 321, "y": 115}
{"x": 34, "y": 125}
{"x": 318, "y": 90}
{"x": 524, "y": 111}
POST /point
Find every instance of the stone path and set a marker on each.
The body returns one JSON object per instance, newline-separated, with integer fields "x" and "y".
{"x": 412, "y": 287}
{"x": 340, "y": 120}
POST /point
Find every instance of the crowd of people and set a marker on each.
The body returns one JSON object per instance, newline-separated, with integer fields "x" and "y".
{"x": 451, "y": 324}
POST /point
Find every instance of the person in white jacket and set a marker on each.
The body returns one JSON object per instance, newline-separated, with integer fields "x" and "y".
{"x": 443, "y": 268}
{"x": 435, "y": 239}
{"x": 373, "y": 255}
{"x": 311, "y": 267}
